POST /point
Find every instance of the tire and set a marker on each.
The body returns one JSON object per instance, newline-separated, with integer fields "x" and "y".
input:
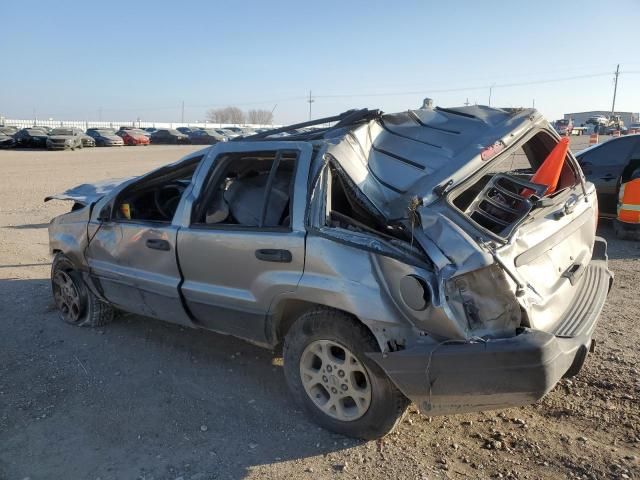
{"x": 374, "y": 414}
{"x": 76, "y": 304}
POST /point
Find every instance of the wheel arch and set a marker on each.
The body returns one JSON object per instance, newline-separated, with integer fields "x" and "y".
{"x": 288, "y": 311}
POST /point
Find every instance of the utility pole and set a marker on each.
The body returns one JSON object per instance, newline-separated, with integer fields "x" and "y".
{"x": 273, "y": 110}
{"x": 534, "y": 103}
{"x": 490, "y": 92}
{"x": 615, "y": 90}
{"x": 310, "y": 101}
{"x": 182, "y": 116}
{"x": 466, "y": 104}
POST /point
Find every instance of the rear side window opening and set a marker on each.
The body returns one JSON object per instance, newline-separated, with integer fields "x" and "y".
{"x": 249, "y": 190}
{"x": 502, "y": 196}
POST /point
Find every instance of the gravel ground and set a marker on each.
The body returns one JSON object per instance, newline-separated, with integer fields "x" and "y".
{"x": 141, "y": 399}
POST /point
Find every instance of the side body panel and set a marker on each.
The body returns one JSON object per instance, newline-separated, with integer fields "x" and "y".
{"x": 135, "y": 277}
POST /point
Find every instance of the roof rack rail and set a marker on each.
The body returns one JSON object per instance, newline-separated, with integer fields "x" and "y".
{"x": 344, "y": 119}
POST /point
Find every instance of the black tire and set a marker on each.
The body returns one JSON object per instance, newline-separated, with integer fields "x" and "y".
{"x": 91, "y": 311}
{"x": 387, "y": 404}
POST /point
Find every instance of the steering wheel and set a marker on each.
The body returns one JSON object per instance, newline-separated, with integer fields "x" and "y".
{"x": 165, "y": 202}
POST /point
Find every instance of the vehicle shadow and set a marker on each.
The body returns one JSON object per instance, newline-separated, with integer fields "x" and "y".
{"x": 141, "y": 398}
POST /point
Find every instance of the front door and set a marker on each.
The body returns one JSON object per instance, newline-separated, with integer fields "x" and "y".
{"x": 246, "y": 241}
{"x": 132, "y": 254}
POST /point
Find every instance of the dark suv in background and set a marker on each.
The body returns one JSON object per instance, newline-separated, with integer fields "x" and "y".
{"x": 169, "y": 136}
{"x": 607, "y": 165}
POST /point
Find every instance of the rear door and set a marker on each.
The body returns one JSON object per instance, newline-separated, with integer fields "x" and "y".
{"x": 603, "y": 166}
{"x": 233, "y": 266}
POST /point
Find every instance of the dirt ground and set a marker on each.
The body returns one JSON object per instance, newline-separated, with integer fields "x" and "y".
{"x": 140, "y": 399}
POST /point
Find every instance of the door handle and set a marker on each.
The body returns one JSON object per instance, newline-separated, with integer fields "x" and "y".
{"x": 158, "y": 244}
{"x": 274, "y": 255}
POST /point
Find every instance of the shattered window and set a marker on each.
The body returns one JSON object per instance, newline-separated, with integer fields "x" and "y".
{"x": 156, "y": 198}
{"x": 249, "y": 189}
{"x": 498, "y": 200}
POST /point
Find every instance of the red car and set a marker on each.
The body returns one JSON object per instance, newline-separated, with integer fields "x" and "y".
{"x": 133, "y": 137}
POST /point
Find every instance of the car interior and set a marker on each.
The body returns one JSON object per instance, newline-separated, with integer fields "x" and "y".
{"x": 251, "y": 190}
{"x": 156, "y": 198}
{"x": 496, "y": 200}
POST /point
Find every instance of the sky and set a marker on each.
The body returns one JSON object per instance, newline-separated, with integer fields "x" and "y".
{"x": 71, "y": 60}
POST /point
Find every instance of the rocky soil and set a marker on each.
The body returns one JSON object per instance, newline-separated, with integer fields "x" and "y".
{"x": 145, "y": 400}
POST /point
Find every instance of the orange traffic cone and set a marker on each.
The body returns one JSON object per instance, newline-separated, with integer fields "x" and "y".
{"x": 549, "y": 172}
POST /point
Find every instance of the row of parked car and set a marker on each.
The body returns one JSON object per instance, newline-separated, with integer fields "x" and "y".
{"x": 71, "y": 138}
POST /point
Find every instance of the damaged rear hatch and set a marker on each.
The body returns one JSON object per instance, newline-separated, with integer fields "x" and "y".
{"x": 504, "y": 259}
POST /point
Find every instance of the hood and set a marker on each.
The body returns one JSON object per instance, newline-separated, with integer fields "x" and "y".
{"x": 397, "y": 157}
{"x": 88, "y": 193}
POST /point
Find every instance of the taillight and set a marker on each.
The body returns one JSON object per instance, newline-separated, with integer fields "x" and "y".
{"x": 492, "y": 150}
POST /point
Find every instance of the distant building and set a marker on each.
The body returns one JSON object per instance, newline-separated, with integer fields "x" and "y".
{"x": 580, "y": 118}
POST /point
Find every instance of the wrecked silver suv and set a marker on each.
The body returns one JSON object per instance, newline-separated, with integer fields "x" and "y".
{"x": 395, "y": 258}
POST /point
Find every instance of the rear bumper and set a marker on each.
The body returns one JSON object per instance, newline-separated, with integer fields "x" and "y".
{"x": 452, "y": 377}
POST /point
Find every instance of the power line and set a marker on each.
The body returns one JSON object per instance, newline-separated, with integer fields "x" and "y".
{"x": 424, "y": 91}
{"x": 462, "y": 89}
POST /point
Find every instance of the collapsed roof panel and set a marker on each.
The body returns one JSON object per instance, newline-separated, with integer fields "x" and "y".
{"x": 394, "y": 157}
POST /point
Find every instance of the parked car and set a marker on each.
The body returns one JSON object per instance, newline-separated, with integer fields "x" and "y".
{"x": 8, "y": 130}
{"x": 206, "y": 137}
{"x": 227, "y": 133}
{"x": 597, "y": 120}
{"x": 87, "y": 140}
{"x": 170, "y": 136}
{"x": 44, "y": 128}
{"x": 6, "y": 141}
{"x": 105, "y": 137}
{"x": 607, "y": 165}
{"x": 64, "y": 138}
{"x": 392, "y": 262}
{"x": 133, "y": 137}
{"x": 187, "y": 130}
{"x": 563, "y": 126}
{"x": 31, "y": 137}
{"x": 150, "y": 130}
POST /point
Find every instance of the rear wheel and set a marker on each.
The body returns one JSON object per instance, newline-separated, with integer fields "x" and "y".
{"x": 76, "y": 304}
{"x": 330, "y": 375}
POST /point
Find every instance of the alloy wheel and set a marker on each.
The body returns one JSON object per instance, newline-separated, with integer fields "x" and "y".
{"x": 335, "y": 380}
{"x": 67, "y": 296}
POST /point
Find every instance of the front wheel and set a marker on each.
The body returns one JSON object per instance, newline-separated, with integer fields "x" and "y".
{"x": 330, "y": 375}
{"x": 76, "y": 304}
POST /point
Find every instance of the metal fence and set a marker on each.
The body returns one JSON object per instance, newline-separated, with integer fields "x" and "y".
{"x": 84, "y": 124}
